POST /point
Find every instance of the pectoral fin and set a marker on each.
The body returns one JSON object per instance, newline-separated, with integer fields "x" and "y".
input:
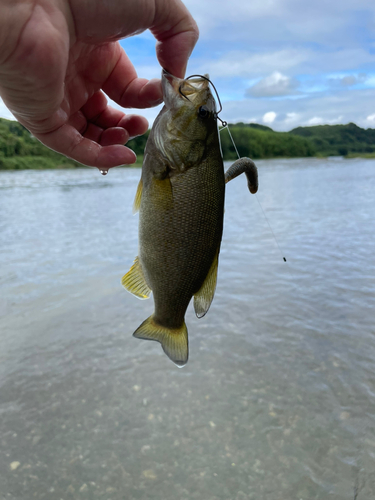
{"x": 205, "y": 295}
{"x": 162, "y": 194}
{"x": 134, "y": 281}
{"x": 247, "y": 166}
{"x": 138, "y": 197}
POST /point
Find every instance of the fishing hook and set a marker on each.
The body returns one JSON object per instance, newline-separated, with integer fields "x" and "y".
{"x": 224, "y": 124}
{"x": 183, "y": 95}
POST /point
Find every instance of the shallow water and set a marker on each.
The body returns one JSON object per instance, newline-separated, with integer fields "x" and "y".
{"x": 277, "y": 401}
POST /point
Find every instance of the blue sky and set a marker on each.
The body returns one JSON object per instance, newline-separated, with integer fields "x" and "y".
{"x": 282, "y": 63}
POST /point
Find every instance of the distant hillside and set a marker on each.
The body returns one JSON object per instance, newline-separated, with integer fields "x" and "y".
{"x": 339, "y": 140}
{"x": 253, "y": 140}
{"x": 253, "y": 125}
{"x": 20, "y": 150}
{"x": 258, "y": 141}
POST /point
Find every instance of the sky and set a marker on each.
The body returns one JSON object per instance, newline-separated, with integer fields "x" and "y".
{"x": 280, "y": 63}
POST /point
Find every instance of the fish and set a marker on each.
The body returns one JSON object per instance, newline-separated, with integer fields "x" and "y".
{"x": 180, "y": 199}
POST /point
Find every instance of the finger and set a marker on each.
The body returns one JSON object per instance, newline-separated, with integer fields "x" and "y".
{"x": 68, "y": 141}
{"x": 95, "y": 106}
{"x": 110, "y": 117}
{"x": 77, "y": 121}
{"x": 97, "y": 111}
{"x": 169, "y": 21}
{"x": 172, "y": 58}
{"x": 129, "y": 91}
{"x": 134, "y": 124}
{"x": 93, "y": 132}
{"x": 115, "y": 135}
{"x": 177, "y": 33}
{"x": 105, "y": 117}
{"x": 142, "y": 93}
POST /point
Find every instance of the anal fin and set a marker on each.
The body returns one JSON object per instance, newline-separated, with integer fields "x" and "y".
{"x": 134, "y": 281}
{"x": 205, "y": 295}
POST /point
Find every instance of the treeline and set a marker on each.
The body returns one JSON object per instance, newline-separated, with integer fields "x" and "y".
{"x": 258, "y": 141}
{"x": 252, "y": 140}
{"x": 20, "y": 150}
{"x": 339, "y": 140}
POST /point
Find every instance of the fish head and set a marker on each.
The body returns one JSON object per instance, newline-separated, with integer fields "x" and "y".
{"x": 190, "y": 104}
{"x": 189, "y": 115}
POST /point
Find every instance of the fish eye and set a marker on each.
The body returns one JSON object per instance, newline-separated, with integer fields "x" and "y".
{"x": 203, "y": 112}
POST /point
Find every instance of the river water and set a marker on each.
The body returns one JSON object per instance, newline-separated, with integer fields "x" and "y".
{"x": 277, "y": 401}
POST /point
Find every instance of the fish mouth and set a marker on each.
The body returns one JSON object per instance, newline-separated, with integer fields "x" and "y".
{"x": 186, "y": 86}
{"x": 196, "y": 90}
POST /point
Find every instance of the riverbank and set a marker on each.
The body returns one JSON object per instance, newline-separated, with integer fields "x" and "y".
{"x": 45, "y": 163}
{"x": 41, "y": 163}
{"x": 19, "y": 150}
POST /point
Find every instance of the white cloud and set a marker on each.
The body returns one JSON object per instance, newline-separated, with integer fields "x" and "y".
{"x": 351, "y": 80}
{"x": 247, "y": 64}
{"x": 292, "y": 61}
{"x": 212, "y": 14}
{"x": 291, "y": 118}
{"x": 266, "y": 21}
{"x": 315, "y": 120}
{"x": 348, "y": 80}
{"x": 269, "y": 117}
{"x": 311, "y": 109}
{"x": 276, "y": 84}
{"x": 371, "y": 119}
{"x": 335, "y": 121}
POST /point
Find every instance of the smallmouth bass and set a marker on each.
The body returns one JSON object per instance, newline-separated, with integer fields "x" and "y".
{"x": 180, "y": 199}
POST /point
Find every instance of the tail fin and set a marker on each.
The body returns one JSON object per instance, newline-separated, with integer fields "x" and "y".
{"x": 174, "y": 341}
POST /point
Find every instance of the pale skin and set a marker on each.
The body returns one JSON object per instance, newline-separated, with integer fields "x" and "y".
{"x": 57, "y": 57}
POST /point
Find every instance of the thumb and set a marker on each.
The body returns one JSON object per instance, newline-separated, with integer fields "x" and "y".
{"x": 176, "y": 33}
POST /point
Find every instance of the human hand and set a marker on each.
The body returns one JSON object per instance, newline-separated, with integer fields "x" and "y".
{"x": 58, "y": 56}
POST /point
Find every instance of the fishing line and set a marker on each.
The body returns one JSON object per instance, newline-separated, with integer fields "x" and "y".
{"x": 234, "y": 145}
{"x": 264, "y": 214}
{"x": 225, "y": 125}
